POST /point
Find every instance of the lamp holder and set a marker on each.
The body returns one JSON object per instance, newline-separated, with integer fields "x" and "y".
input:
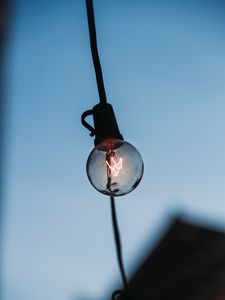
{"x": 105, "y": 124}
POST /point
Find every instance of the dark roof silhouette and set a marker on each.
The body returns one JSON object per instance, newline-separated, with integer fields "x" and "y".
{"x": 187, "y": 264}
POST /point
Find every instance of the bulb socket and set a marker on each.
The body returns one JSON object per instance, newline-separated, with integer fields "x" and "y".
{"x": 105, "y": 123}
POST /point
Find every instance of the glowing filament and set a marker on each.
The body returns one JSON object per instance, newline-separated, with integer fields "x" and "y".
{"x": 115, "y": 168}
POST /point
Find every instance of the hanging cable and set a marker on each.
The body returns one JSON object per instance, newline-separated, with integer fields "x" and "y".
{"x": 102, "y": 99}
{"x": 118, "y": 242}
{"x": 94, "y": 51}
{"x": 124, "y": 293}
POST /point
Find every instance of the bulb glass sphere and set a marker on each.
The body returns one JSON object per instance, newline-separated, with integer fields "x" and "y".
{"x": 115, "y": 167}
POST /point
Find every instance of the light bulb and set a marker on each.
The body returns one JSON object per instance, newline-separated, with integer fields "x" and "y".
{"x": 114, "y": 167}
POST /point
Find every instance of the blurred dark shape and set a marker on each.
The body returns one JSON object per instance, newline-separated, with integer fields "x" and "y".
{"x": 187, "y": 264}
{"x": 4, "y": 28}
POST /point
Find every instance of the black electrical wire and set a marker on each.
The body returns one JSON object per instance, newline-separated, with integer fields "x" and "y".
{"x": 118, "y": 242}
{"x": 102, "y": 99}
{"x": 94, "y": 51}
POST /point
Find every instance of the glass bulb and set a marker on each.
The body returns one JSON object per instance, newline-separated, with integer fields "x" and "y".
{"x": 115, "y": 167}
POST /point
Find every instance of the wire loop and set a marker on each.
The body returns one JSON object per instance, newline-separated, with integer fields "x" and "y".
{"x": 86, "y": 124}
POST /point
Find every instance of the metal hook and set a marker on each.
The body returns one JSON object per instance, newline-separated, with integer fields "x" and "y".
{"x": 85, "y": 124}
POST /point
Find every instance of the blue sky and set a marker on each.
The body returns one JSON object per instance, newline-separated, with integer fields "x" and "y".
{"x": 164, "y": 70}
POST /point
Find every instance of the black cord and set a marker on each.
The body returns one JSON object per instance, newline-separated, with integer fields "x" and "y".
{"x": 94, "y": 51}
{"x": 118, "y": 243}
{"x": 102, "y": 99}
